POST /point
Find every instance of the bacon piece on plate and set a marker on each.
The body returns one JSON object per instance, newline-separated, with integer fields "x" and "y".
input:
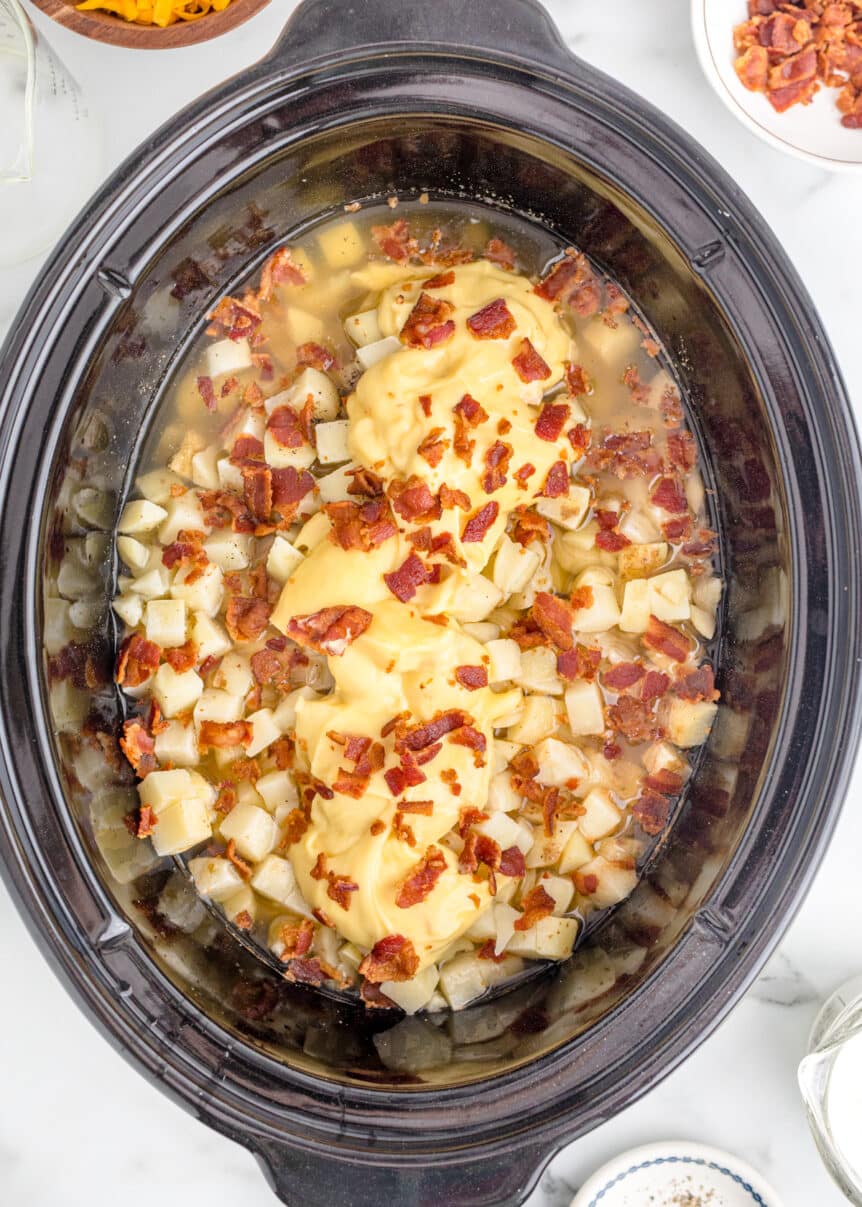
{"x": 529, "y": 364}
{"x": 494, "y": 321}
{"x": 393, "y": 958}
{"x": 667, "y": 640}
{"x": 408, "y": 578}
{"x": 422, "y": 879}
{"x": 331, "y": 630}
{"x": 428, "y": 323}
{"x": 476, "y": 528}
{"x": 537, "y": 904}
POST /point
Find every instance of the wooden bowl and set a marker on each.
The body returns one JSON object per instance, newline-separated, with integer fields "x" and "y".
{"x": 104, "y": 27}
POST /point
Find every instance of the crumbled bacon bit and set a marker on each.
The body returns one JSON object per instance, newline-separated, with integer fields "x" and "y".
{"x": 286, "y": 428}
{"x": 655, "y": 684}
{"x": 669, "y": 495}
{"x": 377, "y": 827}
{"x": 697, "y": 685}
{"x": 468, "y": 414}
{"x": 339, "y": 890}
{"x": 650, "y": 811}
{"x": 395, "y": 241}
{"x": 137, "y": 660}
{"x": 138, "y": 747}
{"x": 360, "y": 525}
{"x": 667, "y": 640}
{"x": 240, "y": 864}
{"x": 279, "y": 269}
{"x": 625, "y": 454}
{"x": 582, "y": 597}
{"x": 512, "y": 862}
{"x": 431, "y": 447}
{"x": 623, "y": 675}
{"x": 551, "y": 421}
{"x": 233, "y": 319}
{"x": 523, "y": 474}
{"x": 639, "y": 392}
{"x": 414, "y": 501}
{"x": 425, "y": 404}
{"x": 296, "y": 940}
{"x": 497, "y": 458}
{"x": 488, "y": 951}
{"x": 529, "y": 364}
{"x": 207, "y": 392}
{"x": 246, "y": 619}
{"x": 472, "y": 677}
{"x": 681, "y": 450}
{"x": 221, "y": 735}
{"x": 611, "y": 541}
{"x": 364, "y": 482}
{"x": 478, "y": 524}
{"x": 257, "y": 488}
{"x": 555, "y": 617}
{"x": 494, "y": 321}
{"x": 664, "y": 781}
{"x": 450, "y": 499}
{"x": 441, "y": 280}
{"x": 391, "y": 959}
{"x": 678, "y": 529}
{"x": 295, "y": 825}
{"x": 557, "y": 481}
{"x": 331, "y": 630}
{"x": 315, "y": 356}
{"x": 529, "y": 526}
{"x": 147, "y": 822}
{"x": 577, "y": 381}
{"x": 182, "y": 658}
{"x": 580, "y": 663}
{"x": 537, "y": 904}
{"x": 633, "y": 718}
{"x": 428, "y": 323}
{"x": 408, "y": 578}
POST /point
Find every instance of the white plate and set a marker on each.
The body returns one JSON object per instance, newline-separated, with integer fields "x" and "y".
{"x": 667, "y": 1175}
{"x": 812, "y": 132}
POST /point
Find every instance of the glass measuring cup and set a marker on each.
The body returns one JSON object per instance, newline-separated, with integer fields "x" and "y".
{"x": 831, "y": 1084}
{"x": 50, "y": 145}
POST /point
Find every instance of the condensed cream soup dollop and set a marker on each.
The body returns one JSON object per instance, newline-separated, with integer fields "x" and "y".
{"x": 404, "y": 664}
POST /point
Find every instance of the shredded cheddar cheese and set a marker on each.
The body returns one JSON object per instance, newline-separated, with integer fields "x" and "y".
{"x": 156, "y": 12}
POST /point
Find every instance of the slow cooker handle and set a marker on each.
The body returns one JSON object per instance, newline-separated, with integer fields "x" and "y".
{"x": 314, "y": 1180}
{"x": 520, "y": 28}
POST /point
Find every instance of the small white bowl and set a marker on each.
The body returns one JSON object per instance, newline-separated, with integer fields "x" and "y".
{"x": 811, "y": 132}
{"x": 672, "y": 1173}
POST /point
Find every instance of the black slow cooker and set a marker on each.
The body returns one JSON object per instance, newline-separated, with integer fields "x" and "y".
{"x": 468, "y": 101}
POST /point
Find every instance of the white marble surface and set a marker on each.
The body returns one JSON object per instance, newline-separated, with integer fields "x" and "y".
{"x": 77, "y": 1125}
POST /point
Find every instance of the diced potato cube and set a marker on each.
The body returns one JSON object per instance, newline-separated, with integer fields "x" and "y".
{"x": 211, "y": 637}
{"x": 177, "y": 744}
{"x": 203, "y": 593}
{"x": 706, "y": 593}
{"x": 215, "y": 877}
{"x": 605, "y": 882}
{"x": 265, "y": 731}
{"x": 507, "y": 832}
{"x": 560, "y": 888}
{"x": 341, "y": 246}
{"x": 251, "y": 829}
{"x": 204, "y": 467}
{"x": 503, "y": 753}
{"x": 219, "y": 706}
{"x": 548, "y": 848}
{"x": 538, "y": 720}
{"x": 568, "y": 511}
{"x": 640, "y": 561}
{"x": 234, "y": 675}
{"x": 661, "y": 756}
{"x": 505, "y": 664}
{"x": 370, "y": 354}
{"x": 229, "y": 475}
{"x": 686, "y": 722}
{"x": 152, "y": 583}
{"x": 181, "y": 825}
{"x": 669, "y": 595}
{"x": 602, "y": 614}
{"x": 304, "y": 326}
{"x": 227, "y": 356}
{"x": 176, "y": 693}
{"x": 475, "y": 597}
{"x": 559, "y": 763}
{"x": 181, "y": 462}
{"x": 156, "y": 485}
{"x": 312, "y": 384}
{"x": 584, "y": 708}
{"x": 637, "y": 600}
{"x": 229, "y": 550}
{"x": 550, "y": 938}
{"x": 641, "y": 529}
{"x": 248, "y": 794}
{"x": 612, "y": 345}
{"x": 331, "y": 441}
{"x": 514, "y": 565}
{"x": 312, "y": 532}
{"x": 704, "y": 622}
{"x": 141, "y": 516}
{"x": 363, "y": 328}
{"x": 414, "y": 994}
{"x": 241, "y": 906}
{"x": 133, "y": 553}
{"x": 161, "y": 788}
{"x": 278, "y": 456}
{"x": 285, "y": 713}
{"x": 577, "y": 852}
{"x": 462, "y": 980}
{"x": 334, "y": 487}
{"x": 165, "y": 621}
{"x": 283, "y": 559}
{"x": 502, "y": 796}
{"x": 129, "y": 608}
{"x": 277, "y": 789}
{"x": 273, "y": 878}
{"x": 601, "y": 816}
{"x": 539, "y": 672}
